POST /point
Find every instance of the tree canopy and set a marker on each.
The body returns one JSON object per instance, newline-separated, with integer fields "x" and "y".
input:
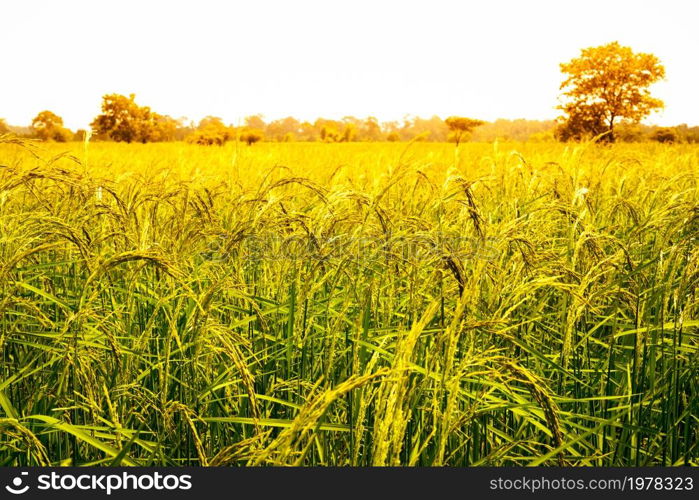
{"x": 211, "y": 131}
{"x": 124, "y": 120}
{"x": 461, "y": 127}
{"x": 48, "y": 126}
{"x": 605, "y": 85}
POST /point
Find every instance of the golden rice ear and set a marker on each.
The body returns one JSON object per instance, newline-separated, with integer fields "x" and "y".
{"x": 543, "y": 398}
{"x": 292, "y": 444}
{"x": 17, "y": 436}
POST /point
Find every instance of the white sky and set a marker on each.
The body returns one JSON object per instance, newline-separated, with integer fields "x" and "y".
{"x": 485, "y": 59}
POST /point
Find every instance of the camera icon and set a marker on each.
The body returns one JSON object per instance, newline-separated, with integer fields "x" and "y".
{"x": 16, "y": 487}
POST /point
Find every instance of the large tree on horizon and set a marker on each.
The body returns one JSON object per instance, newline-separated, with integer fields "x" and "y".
{"x": 605, "y": 85}
{"x": 122, "y": 119}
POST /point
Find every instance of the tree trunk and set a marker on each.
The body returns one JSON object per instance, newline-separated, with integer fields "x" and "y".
{"x": 611, "y": 137}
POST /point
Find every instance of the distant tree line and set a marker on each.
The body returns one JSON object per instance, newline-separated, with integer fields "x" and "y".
{"x": 122, "y": 119}
{"x": 605, "y": 94}
{"x": 213, "y": 131}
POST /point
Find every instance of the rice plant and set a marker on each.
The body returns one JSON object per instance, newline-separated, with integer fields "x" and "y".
{"x": 349, "y": 304}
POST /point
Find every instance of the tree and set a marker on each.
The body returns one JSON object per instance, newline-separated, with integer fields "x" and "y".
{"x": 665, "y": 135}
{"x": 307, "y": 132}
{"x": 435, "y": 128}
{"x": 210, "y": 122}
{"x": 609, "y": 83}
{"x": 461, "y": 126}
{"x": 48, "y": 126}
{"x": 163, "y": 128}
{"x": 211, "y": 131}
{"x": 583, "y": 122}
{"x": 251, "y": 136}
{"x": 370, "y": 130}
{"x": 119, "y": 119}
{"x": 328, "y": 130}
{"x": 349, "y": 134}
{"x": 279, "y": 130}
{"x": 124, "y": 120}
{"x": 255, "y": 122}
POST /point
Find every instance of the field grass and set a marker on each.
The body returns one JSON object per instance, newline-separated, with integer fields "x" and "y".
{"x": 349, "y": 304}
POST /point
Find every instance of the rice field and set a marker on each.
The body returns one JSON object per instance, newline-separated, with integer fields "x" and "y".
{"x": 365, "y": 304}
